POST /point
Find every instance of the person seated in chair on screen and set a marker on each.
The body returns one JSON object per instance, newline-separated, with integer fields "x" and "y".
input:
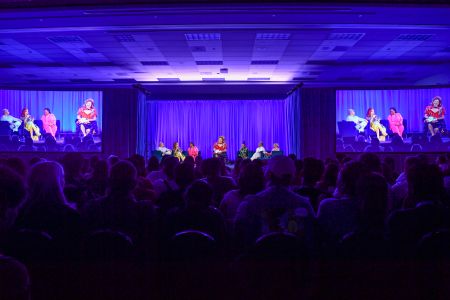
{"x": 14, "y": 123}
{"x": 29, "y": 125}
{"x": 49, "y": 122}
{"x": 434, "y": 116}
{"x": 87, "y": 117}
{"x": 163, "y": 149}
{"x": 360, "y": 122}
{"x": 375, "y": 124}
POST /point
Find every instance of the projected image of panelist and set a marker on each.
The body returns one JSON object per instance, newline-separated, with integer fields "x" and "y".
{"x": 396, "y": 121}
{"x": 49, "y": 122}
{"x": 87, "y": 118}
{"x": 28, "y": 123}
{"x": 434, "y": 116}
{"x": 375, "y": 125}
{"x": 360, "y": 123}
{"x": 14, "y": 123}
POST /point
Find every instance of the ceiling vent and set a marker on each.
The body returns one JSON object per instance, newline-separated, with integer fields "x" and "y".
{"x": 264, "y": 62}
{"x": 124, "y": 80}
{"x": 346, "y": 36}
{"x": 49, "y": 65}
{"x": 155, "y": 63}
{"x": 258, "y": 79}
{"x": 203, "y": 36}
{"x": 125, "y": 38}
{"x": 89, "y": 50}
{"x": 81, "y": 80}
{"x": 273, "y": 36}
{"x": 303, "y": 78}
{"x": 209, "y": 62}
{"x": 102, "y": 64}
{"x": 414, "y": 37}
{"x": 198, "y": 49}
{"x": 213, "y": 79}
{"x": 169, "y": 79}
{"x": 73, "y": 39}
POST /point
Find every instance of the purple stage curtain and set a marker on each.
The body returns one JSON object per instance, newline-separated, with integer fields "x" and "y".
{"x": 410, "y": 103}
{"x": 203, "y": 121}
{"x": 64, "y": 104}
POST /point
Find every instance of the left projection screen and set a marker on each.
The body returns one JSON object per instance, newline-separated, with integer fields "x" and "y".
{"x": 50, "y": 121}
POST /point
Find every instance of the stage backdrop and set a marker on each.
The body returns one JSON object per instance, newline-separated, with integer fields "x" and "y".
{"x": 203, "y": 121}
{"x": 410, "y": 103}
{"x": 64, "y": 104}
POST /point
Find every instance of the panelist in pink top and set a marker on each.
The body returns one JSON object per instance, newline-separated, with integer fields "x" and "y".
{"x": 193, "y": 150}
{"x": 396, "y": 121}
{"x": 49, "y": 122}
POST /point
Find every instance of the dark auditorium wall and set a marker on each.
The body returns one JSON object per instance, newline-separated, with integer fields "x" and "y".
{"x": 318, "y": 129}
{"x": 119, "y": 121}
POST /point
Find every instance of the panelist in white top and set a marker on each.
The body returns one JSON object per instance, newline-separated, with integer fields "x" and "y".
{"x": 259, "y": 152}
{"x": 360, "y": 122}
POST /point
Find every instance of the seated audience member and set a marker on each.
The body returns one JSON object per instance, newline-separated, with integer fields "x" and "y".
{"x": 367, "y": 240}
{"x": 163, "y": 149}
{"x": 15, "y": 283}
{"x": 119, "y": 210}
{"x": 399, "y": 190}
{"x": 338, "y": 216}
{"x": 371, "y": 162}
{"x": 153, "y": 165}
{"x": 12, "y": 194}
{"x": 97, "y": 182}
{"x": 312, "y": 172}
{"x": 212, "y": 170}
{"x": 424, "y": 210}
{"x": 173, "y": 197}
{"x": 198, "y": 214}
{"x": 327, "y": 184}
{"x": 276, "y": 208}
{"x": 250, "y": 182}
{"x": 45, "y": 207}
{"x": 166, "y": 181}
{"x": 144, "y": 187}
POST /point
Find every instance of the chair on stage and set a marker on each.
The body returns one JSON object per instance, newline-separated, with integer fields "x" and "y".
{"x": 5, "y": 130}
{"x": 347, "y": 129}
{"x": 385, "y": 123}
{"x": 276, "y": 153}
{"x": 157, "y": 154}
{"x": 41, "y": 127}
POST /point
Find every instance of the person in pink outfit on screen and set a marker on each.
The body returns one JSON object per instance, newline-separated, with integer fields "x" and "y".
{"x": 396, "y": 122}
{"x": 49, "y": 122}
{"x": 193, "y": 150}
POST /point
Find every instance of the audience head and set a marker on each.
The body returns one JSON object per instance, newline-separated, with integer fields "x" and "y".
{"x": 198, "y": 195}
{"x": 139, "y": 163}
{"x": 14, "y": 280}
{"x": 251, "y": 179}
{"x": 122, "y": 177}
{"x": 184, "y": 174}
{"x": 12, "y": 189}
{"x": 372, "y": 198}
{"x": 212, "y": 167}
{"x": 346, "y": 182}
{"x": 280, "y": 170}
{"x": 46, "y": 183}
{"x": 312, "y": 171}
{"x": 100, "y": 170}
{"x": 425, "y": 183}
{"x": 153, "y": 164}
{"x": 189, "y": 160}
{"x": 371, "y": 162}
{"x": 168, "y": 166}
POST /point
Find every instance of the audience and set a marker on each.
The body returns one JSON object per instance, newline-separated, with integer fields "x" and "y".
{"x": 348, "y": 212}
